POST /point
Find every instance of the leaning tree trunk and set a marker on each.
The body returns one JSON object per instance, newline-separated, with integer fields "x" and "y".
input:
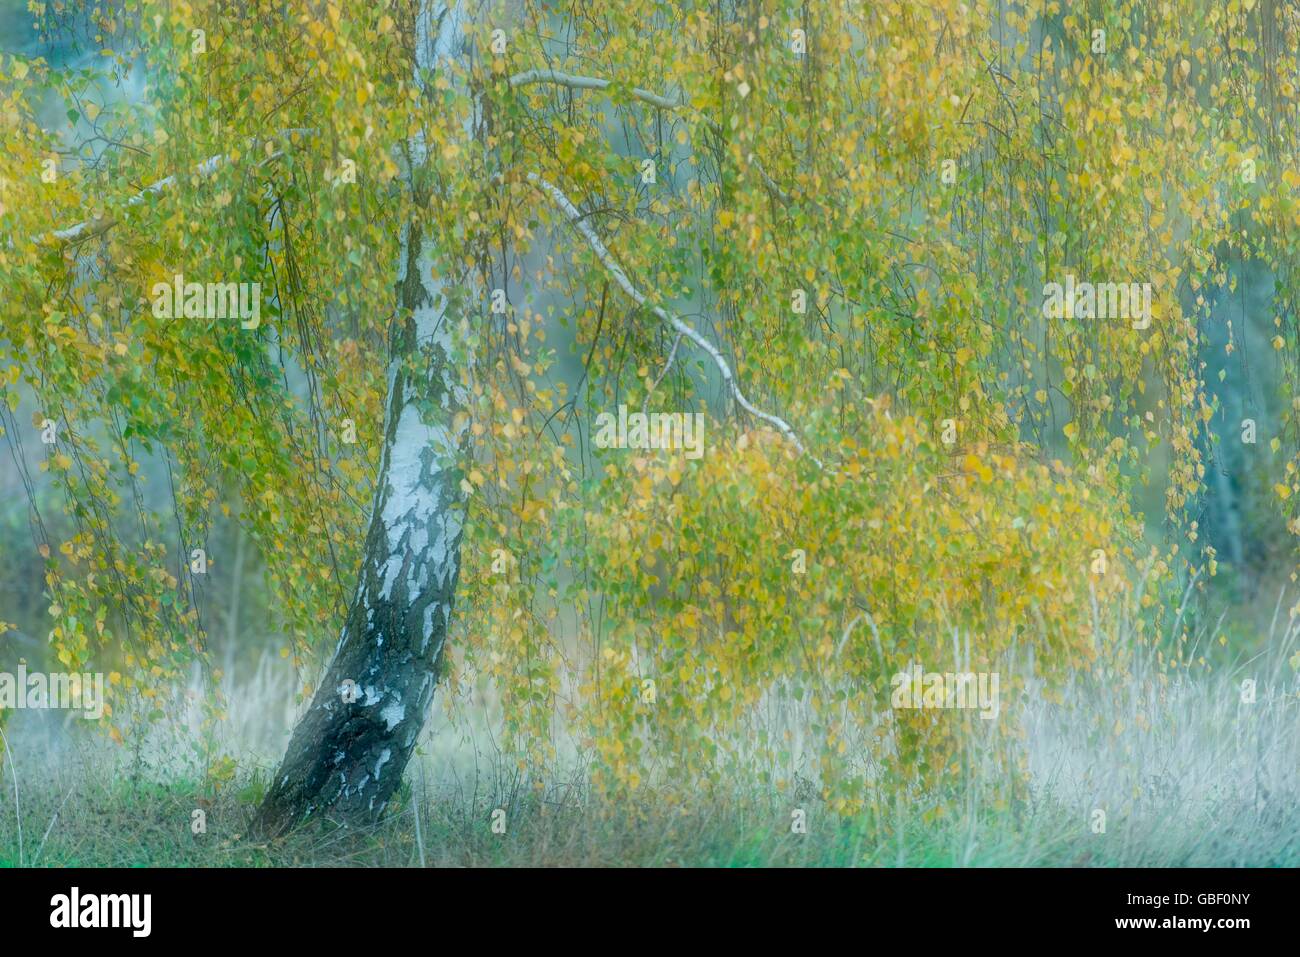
{"x": 347, "y": 754}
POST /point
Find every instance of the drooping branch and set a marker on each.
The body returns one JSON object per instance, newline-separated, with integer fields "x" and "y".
{"x": 577, "y": 82}
{"x": 571, "y": 212}
{"x": 90, "y": 228}
{"x": 668, "y": 364}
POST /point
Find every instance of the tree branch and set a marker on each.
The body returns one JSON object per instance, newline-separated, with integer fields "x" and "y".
{"x": 565, "y": 205}
{"x": 90, "y": 228}
{"x": 672, "y": 356}
{"x": 575, "y": 82}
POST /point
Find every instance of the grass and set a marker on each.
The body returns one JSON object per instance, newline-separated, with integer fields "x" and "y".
{"x": 101, "y": 807}
{"x": 1186, "y": 770}
{"x": 119, "y": 822}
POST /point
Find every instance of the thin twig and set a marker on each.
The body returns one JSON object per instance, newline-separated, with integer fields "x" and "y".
{"x": 672, "y": 355}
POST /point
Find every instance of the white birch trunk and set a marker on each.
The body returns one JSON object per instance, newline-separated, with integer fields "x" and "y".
{"x": 349, "y": 750}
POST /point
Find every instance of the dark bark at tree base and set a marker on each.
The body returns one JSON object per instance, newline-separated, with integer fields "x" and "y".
{"x": 344, "y": 762}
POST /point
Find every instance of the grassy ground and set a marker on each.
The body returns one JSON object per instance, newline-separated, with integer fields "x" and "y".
{"x": 96, "y": 807}
{"x": 1186, "y": 771}
{"x": 123, "y": 823}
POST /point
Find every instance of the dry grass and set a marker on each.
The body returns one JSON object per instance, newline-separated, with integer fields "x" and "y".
{"x": 1186, "y": 772}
